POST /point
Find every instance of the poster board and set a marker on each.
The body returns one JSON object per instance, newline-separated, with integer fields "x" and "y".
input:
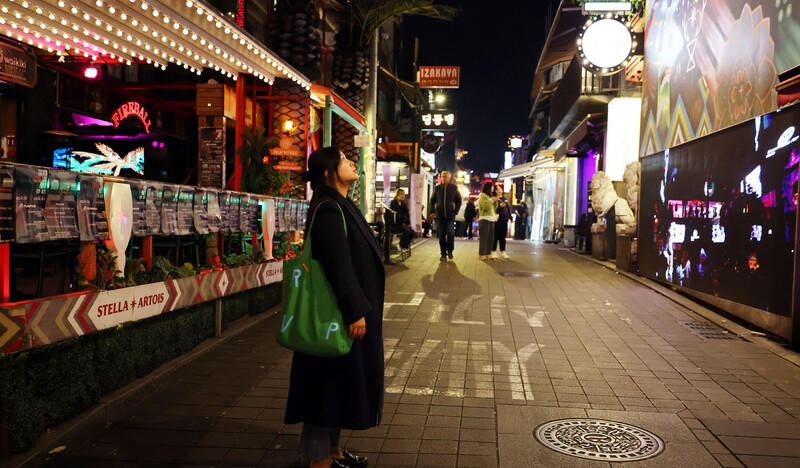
{"x": 60, "y": 208}
{"x": 92, "y": 217}
{"x": 169, "y": 210}
{"x": 30, "y": 194}
{"x": 185, "y": 213}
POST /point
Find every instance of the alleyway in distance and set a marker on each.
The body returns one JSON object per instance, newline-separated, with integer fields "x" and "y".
{"x": 478, "y": 355}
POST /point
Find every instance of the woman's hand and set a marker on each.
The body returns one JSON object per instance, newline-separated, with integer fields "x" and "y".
{"x": 358, "y": 329}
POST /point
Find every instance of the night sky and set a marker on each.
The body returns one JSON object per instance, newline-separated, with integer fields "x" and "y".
{"x": 497, "y": 46}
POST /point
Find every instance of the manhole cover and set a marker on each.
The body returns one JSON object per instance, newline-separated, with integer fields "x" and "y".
{"x": 708, "y": 331}
{"x": 523, "y": 274}
{"x": 597, "y": 439}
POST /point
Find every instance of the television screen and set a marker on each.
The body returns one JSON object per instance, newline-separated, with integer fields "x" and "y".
{"x": 718, "y": 214}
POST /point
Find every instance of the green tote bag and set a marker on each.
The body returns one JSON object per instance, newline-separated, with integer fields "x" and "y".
{"x": 311, "y": 322}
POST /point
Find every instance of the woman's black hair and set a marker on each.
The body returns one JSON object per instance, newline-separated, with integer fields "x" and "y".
{"x": 321, "y": 160}
{"x": 487, "y": 188}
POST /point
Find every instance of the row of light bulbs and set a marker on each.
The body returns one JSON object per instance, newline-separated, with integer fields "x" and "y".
{"x": 93, "y": 43}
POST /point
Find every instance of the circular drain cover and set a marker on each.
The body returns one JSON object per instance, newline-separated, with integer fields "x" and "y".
{"x": 597, "y": 439}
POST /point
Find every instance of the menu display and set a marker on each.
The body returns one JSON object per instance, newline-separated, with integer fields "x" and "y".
{"x": 185, "y": 212}
{"x": 30, "y": 193}
{"x": 92, "y": 218}
{"x": 41, "y": 204}
{"x": 212, "y": 156}
{"x": 169, "y": 210}
{"x": 60, "y": 206}
{"x": 6, "y": 204}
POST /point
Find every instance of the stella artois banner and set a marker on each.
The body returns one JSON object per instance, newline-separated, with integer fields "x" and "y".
{"x": 44, "y": 321}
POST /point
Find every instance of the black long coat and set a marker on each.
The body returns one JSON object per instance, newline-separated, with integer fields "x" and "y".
{"x": 344, "y": 392}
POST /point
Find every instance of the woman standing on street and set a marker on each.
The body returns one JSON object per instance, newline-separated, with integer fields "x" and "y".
{"x": 330, "y": 394}
{"x": 501, "y": 226}
{"x": 487, "y": 204}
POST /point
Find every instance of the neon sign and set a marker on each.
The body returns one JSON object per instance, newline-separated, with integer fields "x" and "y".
{"x": 240, "y": 13}
{"x": 131, "y": 109}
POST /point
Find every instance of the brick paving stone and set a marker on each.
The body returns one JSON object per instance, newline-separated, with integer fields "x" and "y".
{"x": 578, "y": 340}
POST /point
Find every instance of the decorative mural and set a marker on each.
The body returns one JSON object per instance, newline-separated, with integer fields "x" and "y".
{"x": 711, "y": 64}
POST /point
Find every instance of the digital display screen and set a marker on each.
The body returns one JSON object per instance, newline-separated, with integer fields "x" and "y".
{"x": 718, "y": 213}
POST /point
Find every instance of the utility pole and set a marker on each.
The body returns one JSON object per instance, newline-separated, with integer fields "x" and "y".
{"x": 367, "y": 163}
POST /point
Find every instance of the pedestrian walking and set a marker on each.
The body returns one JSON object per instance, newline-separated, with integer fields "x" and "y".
{"x": 501, "y": 226}
{"x": 445, "y": 203}
{"x": 461, "y": 221}
{"x": 521, "y": 223}
{"x": 487, "y": 215}
{"x": 331, "y": 394}
{"x": 469, "y": 216}
{"x": 402, "y": 219}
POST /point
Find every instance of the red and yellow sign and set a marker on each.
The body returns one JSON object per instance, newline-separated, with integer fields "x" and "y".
{"x": 439, "y": 77}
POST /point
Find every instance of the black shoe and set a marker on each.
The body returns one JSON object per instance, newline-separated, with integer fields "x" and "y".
{"x": 450, "y": 255}
{"x": 353, "y": 461}
{"x": 443, "y": 258}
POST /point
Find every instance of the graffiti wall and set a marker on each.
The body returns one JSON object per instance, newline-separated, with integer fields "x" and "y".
{"x": 711, "y": 64}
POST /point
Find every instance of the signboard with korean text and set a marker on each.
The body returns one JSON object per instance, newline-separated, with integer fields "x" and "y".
{"x": 438, "y": 120}
{"x": 439, "y": 77}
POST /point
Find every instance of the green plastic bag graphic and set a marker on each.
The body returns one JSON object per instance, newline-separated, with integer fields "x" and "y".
{"x": 311, "y": 322}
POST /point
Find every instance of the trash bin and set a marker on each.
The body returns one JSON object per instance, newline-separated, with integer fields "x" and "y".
{"x": 599, "y": 241}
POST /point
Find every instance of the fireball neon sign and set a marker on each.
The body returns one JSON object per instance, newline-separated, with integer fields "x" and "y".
{"x": 131, "y": 109}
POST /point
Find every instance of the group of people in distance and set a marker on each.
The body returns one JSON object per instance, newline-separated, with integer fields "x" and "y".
{"x": 493, "y": 212}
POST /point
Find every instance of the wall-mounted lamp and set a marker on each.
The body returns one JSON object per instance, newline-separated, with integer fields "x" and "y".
{"x": 288, "y": 126}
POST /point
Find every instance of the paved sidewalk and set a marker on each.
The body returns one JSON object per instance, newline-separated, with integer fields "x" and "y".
{"x": 478, "y": 355}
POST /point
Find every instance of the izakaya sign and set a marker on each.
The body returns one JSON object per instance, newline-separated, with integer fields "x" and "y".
{"x": 131, "y": 109}
{"x": 439, "y": 77}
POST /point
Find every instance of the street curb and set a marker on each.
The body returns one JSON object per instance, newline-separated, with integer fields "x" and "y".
{"x": 109, "y": 401}
{"x": 697, "y": 309}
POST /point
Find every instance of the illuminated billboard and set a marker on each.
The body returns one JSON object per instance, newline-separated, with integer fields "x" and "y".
{"x": 718, "y": 214}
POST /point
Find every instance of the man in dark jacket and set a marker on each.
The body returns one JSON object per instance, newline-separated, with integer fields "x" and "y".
{"x": 445, "y": 203}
